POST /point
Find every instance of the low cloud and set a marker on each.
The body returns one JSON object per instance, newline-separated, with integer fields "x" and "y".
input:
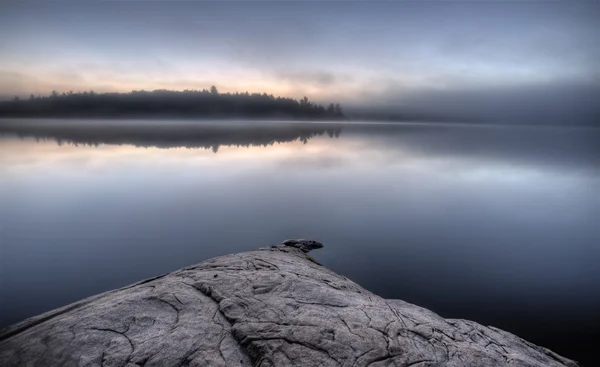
{"x": 318, "y": 78}
{"x": 556, "y": 103}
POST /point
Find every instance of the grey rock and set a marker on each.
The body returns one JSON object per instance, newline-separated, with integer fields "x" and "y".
{"x": 302, "y": 244}
{"x": 269, "y": 307}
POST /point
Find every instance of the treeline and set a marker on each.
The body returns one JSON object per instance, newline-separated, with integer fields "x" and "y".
{"x": 165, "y": 103}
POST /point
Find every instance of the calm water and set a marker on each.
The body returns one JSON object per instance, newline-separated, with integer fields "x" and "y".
{"x": 496, "y": 224}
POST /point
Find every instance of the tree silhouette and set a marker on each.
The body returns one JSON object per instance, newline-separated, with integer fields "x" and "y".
{"x": 337, "y": 109}
{"x": 330, "y": 109}
{"x": 164, "y": 103}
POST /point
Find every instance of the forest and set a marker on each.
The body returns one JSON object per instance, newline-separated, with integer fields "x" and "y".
{"x": 206, "y": 103}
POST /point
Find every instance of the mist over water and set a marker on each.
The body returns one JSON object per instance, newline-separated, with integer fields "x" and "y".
{"x": 490, "y": 223}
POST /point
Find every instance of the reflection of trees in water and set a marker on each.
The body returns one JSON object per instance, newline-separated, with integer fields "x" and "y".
{"x": 169, "y": 135}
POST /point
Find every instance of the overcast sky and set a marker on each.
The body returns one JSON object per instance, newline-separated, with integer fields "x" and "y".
{"x": 354, "y": 52}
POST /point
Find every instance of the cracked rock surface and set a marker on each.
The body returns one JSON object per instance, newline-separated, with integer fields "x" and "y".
{"x": 269, "y": 307}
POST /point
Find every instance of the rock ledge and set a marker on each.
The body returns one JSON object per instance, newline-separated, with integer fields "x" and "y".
{"x": 269, "y": 307}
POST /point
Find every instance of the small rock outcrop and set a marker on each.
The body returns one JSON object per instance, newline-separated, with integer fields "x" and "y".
{"x": 269, "y": 307}
{"x": 303, "y": 245}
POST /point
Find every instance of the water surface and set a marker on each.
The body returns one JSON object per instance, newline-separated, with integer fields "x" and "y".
{"x": 496, "y": 224}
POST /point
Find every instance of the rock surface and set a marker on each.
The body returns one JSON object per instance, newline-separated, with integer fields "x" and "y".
{"x": 270, "y": 307}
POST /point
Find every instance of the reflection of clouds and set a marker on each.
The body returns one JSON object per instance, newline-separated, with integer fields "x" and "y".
{"x": 22, "y": 155}
{"x": 470, "y": 155}
{"x": 47, "y": 155}
{"x": 317, "y": 161}
{"x": 509, "y": 148}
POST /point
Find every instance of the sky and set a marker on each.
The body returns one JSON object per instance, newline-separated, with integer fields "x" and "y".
{"x": 406, "y": 54}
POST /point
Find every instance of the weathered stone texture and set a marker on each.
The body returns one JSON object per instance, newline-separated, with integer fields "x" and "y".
{"x": 270, "y": 307}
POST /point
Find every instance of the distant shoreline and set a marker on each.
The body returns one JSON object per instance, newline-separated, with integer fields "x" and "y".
{"x": 169, "y": 104}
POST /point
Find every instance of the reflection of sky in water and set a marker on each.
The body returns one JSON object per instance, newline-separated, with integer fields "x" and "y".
{"x": 502, "y": 232}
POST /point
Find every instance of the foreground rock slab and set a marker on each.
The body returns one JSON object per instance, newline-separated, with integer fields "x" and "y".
{"x": 269, "y": 307}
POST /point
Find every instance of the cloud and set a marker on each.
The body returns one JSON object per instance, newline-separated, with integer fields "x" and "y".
{"x": 373, "y": 53}
{"x": 320, "y": 78}
{"x": 559, "y": 102}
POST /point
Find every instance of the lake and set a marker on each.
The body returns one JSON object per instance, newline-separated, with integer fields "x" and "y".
{"x": 496, "y": 224}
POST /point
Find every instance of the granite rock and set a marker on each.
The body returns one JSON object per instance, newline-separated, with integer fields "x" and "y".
{"x": 269, "y": 307}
